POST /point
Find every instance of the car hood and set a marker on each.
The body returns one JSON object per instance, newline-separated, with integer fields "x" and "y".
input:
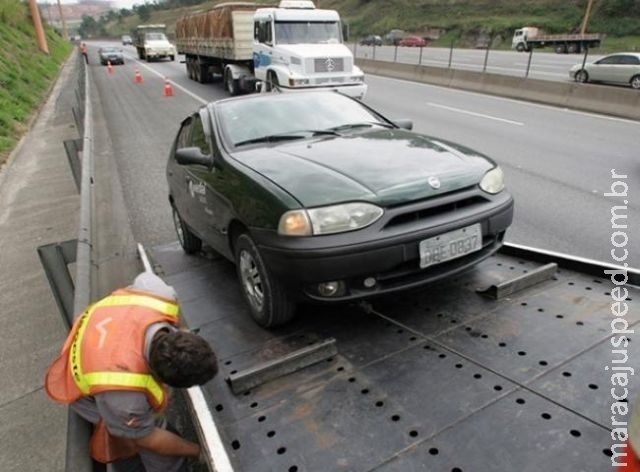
{"x": 385, "y": 167}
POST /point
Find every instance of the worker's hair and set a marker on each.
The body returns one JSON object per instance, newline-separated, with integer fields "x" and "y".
{"x": 182, "y": 359}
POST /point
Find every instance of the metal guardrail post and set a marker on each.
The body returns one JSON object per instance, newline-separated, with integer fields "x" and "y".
{"x": 450, "y": 54}
{"x": 529, "y": 62}
{"x": 395, "y": 54}
{"x": 486, "y": 58}
{"x": 420, "y": 56}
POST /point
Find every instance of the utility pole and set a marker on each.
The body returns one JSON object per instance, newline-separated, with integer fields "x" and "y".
{"x": 37, "y": 24}
{"x": 585, "y": 20}
{"x": 65, "y": 33}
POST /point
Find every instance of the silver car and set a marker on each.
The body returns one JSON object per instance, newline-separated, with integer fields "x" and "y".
{"x": 619, "y": 68}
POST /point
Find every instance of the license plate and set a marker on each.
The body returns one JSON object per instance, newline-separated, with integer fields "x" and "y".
{"x": 450, "y": 245}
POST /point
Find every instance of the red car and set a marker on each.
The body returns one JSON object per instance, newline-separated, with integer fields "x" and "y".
{"x": 413, "y": 41}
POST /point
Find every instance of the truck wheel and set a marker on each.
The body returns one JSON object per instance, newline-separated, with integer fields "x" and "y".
{"x": 582, "y": 76}
{"x": 231, "y": 84}
{"x": 573, "y": 48}
{"x": 268, "y": 302}
{"x": 635, "y": 82}
{"x": 520, "y": 47}
{"x": 190, "y": 242}
{"x": 203, "y": 73}
{"x": 561, "y": 49}
{"x": 172, "y": 58}
{"x": 272, "y": 82}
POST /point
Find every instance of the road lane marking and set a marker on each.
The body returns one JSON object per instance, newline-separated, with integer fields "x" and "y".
{"x": 178, "y": 86}
{"x": 472, "y": 113}
{"x": 520, "y": 102}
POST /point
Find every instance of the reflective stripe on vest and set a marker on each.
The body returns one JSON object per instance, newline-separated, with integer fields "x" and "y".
{"x": 125, "y": 379}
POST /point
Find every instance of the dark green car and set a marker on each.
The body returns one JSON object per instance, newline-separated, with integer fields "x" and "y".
{"x": 317, "y": 197}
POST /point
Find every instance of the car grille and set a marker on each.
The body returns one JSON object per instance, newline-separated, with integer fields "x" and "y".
{"x": 438, "y": 209}
{"x": 328, "y": 64}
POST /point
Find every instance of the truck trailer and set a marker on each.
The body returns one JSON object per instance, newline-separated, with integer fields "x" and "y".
{"x": 527, "y": 38}
{"x": 292, "y": 47}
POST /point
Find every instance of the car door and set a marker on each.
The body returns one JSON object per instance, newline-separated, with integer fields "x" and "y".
{"x": 177, "y": 175}
{"x": 604, "y": 70}
{"x": 629, "y": 66}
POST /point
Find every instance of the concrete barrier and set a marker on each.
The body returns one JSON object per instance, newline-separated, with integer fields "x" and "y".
{"x": 610, "y": 100}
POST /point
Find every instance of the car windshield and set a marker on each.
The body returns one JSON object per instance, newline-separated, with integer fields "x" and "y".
{"x": 272, "y": 118}
{"x": 307, "y": 32}
{"x": 156, "y": 36}
{"x": 108, "y": 50}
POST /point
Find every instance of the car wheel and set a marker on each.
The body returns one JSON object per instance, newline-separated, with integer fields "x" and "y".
{"x": 268, "y": 302}
{"x": 582, "y": 76}
{"x": 635, "y": 82}
{"x": 190, "y": 242}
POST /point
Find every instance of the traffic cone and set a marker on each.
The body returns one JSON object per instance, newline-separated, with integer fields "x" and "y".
{"x": 632, "y": 462}
{"x": 109, "y": 67}
{"x": 168, "y": 89}
{"x": 137, "y": 78}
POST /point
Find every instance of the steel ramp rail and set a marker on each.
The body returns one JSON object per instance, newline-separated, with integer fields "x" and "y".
{"x": 440, "y": 379}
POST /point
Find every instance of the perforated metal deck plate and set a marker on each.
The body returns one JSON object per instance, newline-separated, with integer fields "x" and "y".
{"x": 440, "y": 379}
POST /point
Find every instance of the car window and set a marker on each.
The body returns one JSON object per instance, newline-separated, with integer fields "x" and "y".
{"x": 184, "y": 135}
{"x": 629, "y": 60}
{"x": 198, "y": 137}
{"x": 610, "y": 60}
{"x": 242, "y": 120}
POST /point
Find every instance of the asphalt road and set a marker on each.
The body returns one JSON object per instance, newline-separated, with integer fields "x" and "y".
{"x": 558, "y": 162}
{"x": 545, "y": 64}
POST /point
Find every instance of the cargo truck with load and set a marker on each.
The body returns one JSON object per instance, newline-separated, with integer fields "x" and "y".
{"x": 151, "y": 42}
{"x": 292, "y": 47}
{"x": 529, "y": 37}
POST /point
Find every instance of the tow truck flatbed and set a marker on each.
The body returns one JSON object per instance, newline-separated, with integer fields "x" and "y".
{"x": 441, "y": 379}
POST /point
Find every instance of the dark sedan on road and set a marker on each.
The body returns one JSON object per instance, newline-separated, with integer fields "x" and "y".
{"x": 317, "y": 197}
{"x": 371, "y": 40}
{"x": 111, "y": 55}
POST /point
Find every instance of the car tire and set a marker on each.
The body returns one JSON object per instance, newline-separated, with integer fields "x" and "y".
{"x": 635, "y": 82}
{"x": 582, "y": 76}
{"x": 269, "y": 303}
{"x": 190, "y": 242}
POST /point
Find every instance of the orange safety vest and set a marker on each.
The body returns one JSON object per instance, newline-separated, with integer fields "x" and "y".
{"x": 105, "y": 351}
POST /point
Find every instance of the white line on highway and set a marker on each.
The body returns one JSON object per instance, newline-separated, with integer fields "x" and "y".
{"x": 512, "y": 100}
{"x": 153, "y": 71}
{"x": 472, "y": 113}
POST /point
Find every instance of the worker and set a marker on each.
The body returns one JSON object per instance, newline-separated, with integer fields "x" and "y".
{"x": 83, "y": 51}
{"x": 115, "y": 368}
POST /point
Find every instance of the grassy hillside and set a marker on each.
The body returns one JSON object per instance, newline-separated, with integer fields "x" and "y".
{"x": 463, "y": 20}
{"x": 26, "y": 73}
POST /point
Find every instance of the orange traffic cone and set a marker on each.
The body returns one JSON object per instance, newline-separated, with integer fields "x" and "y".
{"x": 633, "y": 463}
{"x": 168, "y": 89}
{"x": 109, "y": 67}
{"x": 137, "y": 78}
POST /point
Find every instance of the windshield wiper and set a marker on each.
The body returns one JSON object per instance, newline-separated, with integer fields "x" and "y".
{"x": 364, "y": 124}
{"x": 289, "y": 136}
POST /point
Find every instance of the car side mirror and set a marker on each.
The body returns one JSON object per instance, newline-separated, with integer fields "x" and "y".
{"x": 193, "y": 155}
{"x": 404, "y": 123}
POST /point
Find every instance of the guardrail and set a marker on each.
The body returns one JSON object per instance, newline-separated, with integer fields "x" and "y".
{"x": 56, "y": 258}
{"x": 615, "y": 101}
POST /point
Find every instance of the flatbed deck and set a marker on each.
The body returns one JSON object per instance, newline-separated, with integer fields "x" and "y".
{"x": 441, "y": 379}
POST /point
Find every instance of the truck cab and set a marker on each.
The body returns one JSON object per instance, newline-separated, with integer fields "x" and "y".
{"x": 520, "y": 37}
{"x": 297, "y": 46}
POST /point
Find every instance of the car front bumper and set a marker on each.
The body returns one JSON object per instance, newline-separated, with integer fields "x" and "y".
{"x": 384, "y": 252}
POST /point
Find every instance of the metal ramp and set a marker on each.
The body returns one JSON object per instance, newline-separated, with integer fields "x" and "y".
{"x": 441, "y": 379}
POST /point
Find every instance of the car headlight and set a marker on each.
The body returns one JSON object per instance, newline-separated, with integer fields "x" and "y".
{"x": 493, "y": 181}
{"x": 328, "y": 220}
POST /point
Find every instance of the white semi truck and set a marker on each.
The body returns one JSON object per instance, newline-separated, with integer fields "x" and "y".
{"x": 292, "y": 47}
